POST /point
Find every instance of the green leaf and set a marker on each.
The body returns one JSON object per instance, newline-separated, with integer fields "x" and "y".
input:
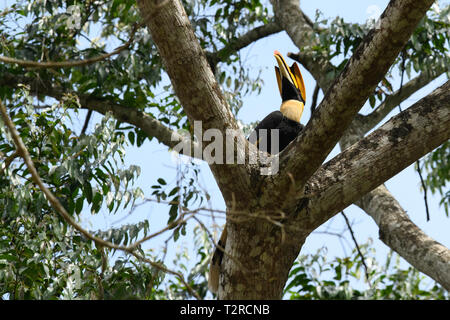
{"x": 79, "y": 205}
{"x": 372, "y": 101}
{"x": 87, "y": 191}
{"x": 131, "y": 137}
{"x": 173, "y": 213}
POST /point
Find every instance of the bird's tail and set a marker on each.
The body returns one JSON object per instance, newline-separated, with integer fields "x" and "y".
{"x": 216, "y": 261}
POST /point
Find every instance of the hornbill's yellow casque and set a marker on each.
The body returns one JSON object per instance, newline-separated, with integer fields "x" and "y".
{"x": 287, "y": 121}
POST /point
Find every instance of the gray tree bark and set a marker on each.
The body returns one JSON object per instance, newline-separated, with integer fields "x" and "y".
{"x": 399, "y": 233}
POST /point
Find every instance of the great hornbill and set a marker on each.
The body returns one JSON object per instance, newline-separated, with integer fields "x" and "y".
{"x": 286, "y": 120}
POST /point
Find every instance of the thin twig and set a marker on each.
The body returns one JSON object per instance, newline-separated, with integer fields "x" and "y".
{"x": 424, "y": 186}
{"x": 170, "y": 226}
{"x": 363, "y": 261}
{"x": 314, "y": 98}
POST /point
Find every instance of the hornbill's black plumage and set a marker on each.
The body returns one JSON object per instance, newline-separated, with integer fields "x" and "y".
{"x": 287, "y": 121}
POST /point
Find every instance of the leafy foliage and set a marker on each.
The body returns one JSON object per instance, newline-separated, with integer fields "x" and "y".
{"x": 314, "y": 277}
{"x": 41, "y": 256}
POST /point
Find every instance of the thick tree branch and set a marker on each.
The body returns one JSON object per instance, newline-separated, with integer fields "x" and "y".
{"x": 371, "y": 120}
{"x": 374, "y": 159}
{"x": 362, "y": 167}
{"x": 196, "y": 87}
{"x": 349, "y": 91}
{"x": 300, "y": 29}
{"x": 383, "y": 207}
{"x": 186, "y": 64}
{"x": 243, "y": 41}
{"x": 379, "y": 156}
{"x": 324, "y": 73}
{"x": 403, "y": 236}
{"x": 151, "y": 126}
{"x": 431, "y": 251}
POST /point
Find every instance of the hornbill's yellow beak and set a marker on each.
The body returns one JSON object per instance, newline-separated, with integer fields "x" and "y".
{"x": 291, "y": 74}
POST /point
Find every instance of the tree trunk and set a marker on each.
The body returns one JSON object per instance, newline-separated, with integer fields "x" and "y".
{"x": 261, "y": 251}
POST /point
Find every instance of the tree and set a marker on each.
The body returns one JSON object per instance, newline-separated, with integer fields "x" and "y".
{"x": 268, "y": 217}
